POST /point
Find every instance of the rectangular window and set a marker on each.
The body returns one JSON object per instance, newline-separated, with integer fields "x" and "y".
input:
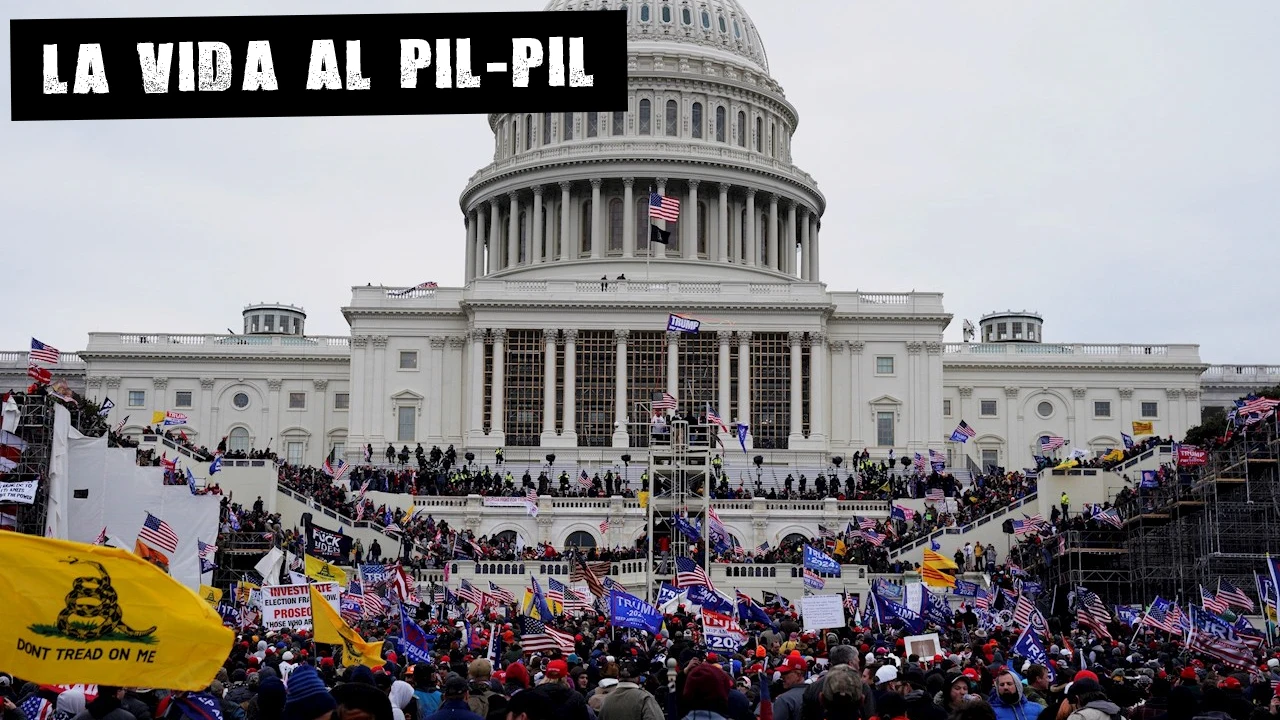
{"x": 339, "y": 449}
{"x": 946, "y": 408}
{"x": 884, "y": 366}
{"x": 137, "y": 398}
{"x": 619, "y": 123}
{"x": 297, "y": 401}
{"x": 1102, "y": 408}
{"x": 1149, "y": 410}
{"x": 182, "y": 399}
{"x": 566, "y": 129}
{"x": 987, "y": 408}
{"x": 342, "y": 401}
{"x": 990, "y": 458}
{"x": 406, "y": 418}
{"x": 593, "y": 124}
{"x": 408, "y": 359}
{"x": 1001, "y": 332}
{"x": 884, "y": 429}
{"x": 1017, "y": 331}
{"x": 294, "y": 453}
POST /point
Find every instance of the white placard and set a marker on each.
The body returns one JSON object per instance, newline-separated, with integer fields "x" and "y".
{"x": 822, "y": 612}
{"x": 18, "y": 492}
{"x": 289, "y": 606}
{"x": 923, "y": 646}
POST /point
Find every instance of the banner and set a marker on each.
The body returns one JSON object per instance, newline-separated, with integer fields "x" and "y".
{"x": 77, "y": 613}
{"x": 1190, "y": 456}
{"x": 23, "y": 493}
{"x": 327, "y": 545}
{"x": 820, "y": 561}
{"x": 721, "y": 632}
{"x": 289, "y": 606}
{"x": 1142, "y": 428}
{"x": 629, "y": 611}
{"x": 680, "y": 323}
{"x": 821, "y": 612}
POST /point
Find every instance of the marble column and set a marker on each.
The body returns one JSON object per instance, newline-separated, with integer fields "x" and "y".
{"x": 597, "y": 229}
{"x": 749, "y": 231}
{"x": 744, "y": 382}
{"x": 773, "y": 232}
{"x": 722, "y": 382}
{"x": 470, "y": 271}
{"x": 621, "y": 430}
{"x": 806, "y": 255}
{"x": 689, "y": 223}
{"x": 570, "y": 430}
{"x": 435, "y": 395}
{"x": 482, "y": 240}
{"x": 723, "y": 241}
{"x": 856, "y": 417}
{"x": 673, "y": 365}
{"x": 477, "y": 383}
{"x": 628, "y": 218}
{"x": 535, "y": 252}
{"x": 497, "y": 396}
{"x": 497, "y": 253}
{"x": 797, "y": 386}
{"x": 565, "y": 205}
{"x": 814, "y": 275}
{"x": 658, "y": 250}
{"x": 818, "y": 392}
{"x": 513, "y": 230}
{"x": 549, "y": 336}
{"x": 789, "y": 242}
{"x": 380, "y": 362}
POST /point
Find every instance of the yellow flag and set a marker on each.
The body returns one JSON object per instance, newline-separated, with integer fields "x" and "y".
{"x": 933, "y": 577}
{"x": 840, "y": 547}
{"x": 97, "y": 615}
{"x": 643, "y": 497}
{"x": 1116, "y": 455}
{"x": 332, "y": 630}
{"x": 940, "y": 562}
{"x": 528, "y": 608}
{"x": 1142, "y": 428}
{"x": 321, "y": 571}
{"x": 157, "y": 417}
{"x": 244, "y": 590}
{"x": 211, "y": 595}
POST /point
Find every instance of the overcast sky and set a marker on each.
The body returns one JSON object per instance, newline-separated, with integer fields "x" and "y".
{"x": 1112, "y": 165}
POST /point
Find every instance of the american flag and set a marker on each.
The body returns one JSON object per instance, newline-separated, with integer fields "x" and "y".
{"x": 1233, "y": 595}
{"x": 1210, "y": 602}
{"x": 762, "y": 548}
{"x": 604, "y": 527}
{"x": 689, "y": 573}
{"x": 982, "y": 601}
{"x": 867, "y": 523}
{"x": 157, "y": 533}
{"x": 872, "y": 537}
{"x": 336, "y": 471}
{"x": 537, "y": 636}
{"x": 42, "y": 353}
{"x": 573, "y": 602}
{"x": 825, "y": 532}
{"x": 468, "y": 592}
{"x": 584, "y": 479}
{"x": 352, "y": 604}
{"x": 1110, "y": 516}
{"x": 590, "y": 573}
{"x": 964, "y": 430}
{"x": 714, "y": 419}
{"x": 375, "y": 606}
{"x": 500, "y": 594}
{"x": 531, "y": 496}
{"x": 1163, "y": 617}
{"x": 668, "y": 402}
{"x": 1049, "y": 443}
{"x": 37, "y": 708}
{"x": 1230, "y": 652}
{"x": 1023, "y": 611}
{"x": 935, "y": 495}
{"x": 1037, "y": 521}
{"x": 555, "y": 593}
{"x": 1092, "y": 613}
{"x": 102, "y": 537}
{"x": 662, "y": 207}
{"x": 1252, "y": 406}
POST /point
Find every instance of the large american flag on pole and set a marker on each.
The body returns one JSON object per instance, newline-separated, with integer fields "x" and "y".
{"x": 689, "y": 573}
{"x": 1233, "y": 596}
{"x": 157, "y": 533}
{"x": 537, "y": 636}
{"x": 666, "y": 402}
{"x": 1049, "y": 443}
{"x": 662, "y": 207}
{"x": 43, "y": 353}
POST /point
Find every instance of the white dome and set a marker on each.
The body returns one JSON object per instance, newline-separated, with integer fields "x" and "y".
{"x": 719, "y": 24}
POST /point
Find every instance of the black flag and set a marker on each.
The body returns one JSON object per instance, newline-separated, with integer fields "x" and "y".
{"x": 659, "y": 236}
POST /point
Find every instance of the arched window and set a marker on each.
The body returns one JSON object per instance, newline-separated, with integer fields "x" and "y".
{"x": 528, "y": 132}
{"x": 646, "y": 116}
{"x": 742, "y": 129}
{"x": 566, "y": 131}
{"x": 238, "y": 440}
{"x": 706, "y": 20}
{"x": 619, "y": 123}
{"x": 724, "y": 28}
{"x": 511, "y": 144}
{"x": 506, "y": 536}
{"x": 773, "y": 134}
{"x": 546, "y": 128}
{"x": 720, "y": 122}
{"x": 666, "y": 13}
{"x": 586, "y": 228}
{"x": 795, "y": 538}
{"x": 704, "y": 228}
{"x": 593, "y": 124}
{"x": 737, "y": 31}
{"x": 644, "y": 12}
{"x": 695, "y": 119}
{"x": 523, "y": 250}
{"x": 672, "y": 119}
{"x": 759, "y": 134}
{"x": 580, "y": 539}
{"x": 615, "y": 225}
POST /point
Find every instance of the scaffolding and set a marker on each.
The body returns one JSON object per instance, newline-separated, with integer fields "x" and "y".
{"x": 35, "y": 427}
{"x": 681, "y": 473}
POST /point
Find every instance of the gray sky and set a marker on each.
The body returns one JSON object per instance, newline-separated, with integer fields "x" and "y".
{"x": 1112, "y": 165}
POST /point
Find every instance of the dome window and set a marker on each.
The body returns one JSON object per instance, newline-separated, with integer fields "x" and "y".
{"x": 646, "y": 110}
{"x": 644, "y": 13}
{"x": 686, "y": 16}
{"x": 706, "y": 20}
{"x": 737, "y": 31}
{"x": 696, "y": 124}
{"x": 723, "y": 27}
{"x": 666, "y": 13}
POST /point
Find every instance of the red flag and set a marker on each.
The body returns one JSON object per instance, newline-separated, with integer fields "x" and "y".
{"x": 41, "y": 375}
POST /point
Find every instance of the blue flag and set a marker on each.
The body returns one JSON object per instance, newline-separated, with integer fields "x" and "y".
{"x": 191, "y": 481}
{"x": 818, "y": 561}
{"x": 1031, "y": 647}
{"x": 415, "y": 644}
{"x": 742, "y": 436}
{"x": 628, "y": 611}
{"x": 709, "y": 599}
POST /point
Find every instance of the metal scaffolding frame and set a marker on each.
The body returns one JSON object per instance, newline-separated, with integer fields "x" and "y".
{"x": 36, "y": 428}
{"x": 680, "y": 477}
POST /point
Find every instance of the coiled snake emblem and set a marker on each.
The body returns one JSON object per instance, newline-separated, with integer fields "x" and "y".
{"x": 92, "y": 609}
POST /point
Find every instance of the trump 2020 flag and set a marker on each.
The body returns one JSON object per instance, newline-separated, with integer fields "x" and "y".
{"x": 820, "y": 562}
{"x": 628, "y": 611}
{"x": 1031, "y": 647}
{"x": 77, "y": 613}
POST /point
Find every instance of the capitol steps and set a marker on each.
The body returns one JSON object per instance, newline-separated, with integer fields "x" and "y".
{"x": 986, "y": 530}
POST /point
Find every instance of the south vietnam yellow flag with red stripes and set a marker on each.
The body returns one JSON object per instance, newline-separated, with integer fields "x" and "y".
{"x": 97, "y": 615}
{"x": 330, "y": 628}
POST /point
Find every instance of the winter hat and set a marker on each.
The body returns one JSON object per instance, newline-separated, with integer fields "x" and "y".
{"x": 518, "y": 675}
{"x": 1081, "y": 687}
{"x": 271, "y": 696}
{"x": 707, "y": 688}
{"x": 306, "y": 697}
{"x": 1085, "y": 675}
{"x": 557, "y": 669}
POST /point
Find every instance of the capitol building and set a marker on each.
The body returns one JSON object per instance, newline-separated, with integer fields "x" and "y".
{"x": 558, "y": 342}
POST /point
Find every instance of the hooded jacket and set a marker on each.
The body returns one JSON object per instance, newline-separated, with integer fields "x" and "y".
{"x": 1022, "y": 709}
{"x": 1096, "y": 710}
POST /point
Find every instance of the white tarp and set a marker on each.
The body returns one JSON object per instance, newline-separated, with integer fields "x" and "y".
{"x": 117, "y": 494}
{"x": 56, "y": 522}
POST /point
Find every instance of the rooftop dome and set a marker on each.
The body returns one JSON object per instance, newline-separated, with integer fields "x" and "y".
{"x": 721, "y": 26}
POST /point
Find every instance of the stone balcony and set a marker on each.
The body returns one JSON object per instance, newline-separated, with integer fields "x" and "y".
{"x": 195, "y": 346}
{"x": 1085, "y": 354}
